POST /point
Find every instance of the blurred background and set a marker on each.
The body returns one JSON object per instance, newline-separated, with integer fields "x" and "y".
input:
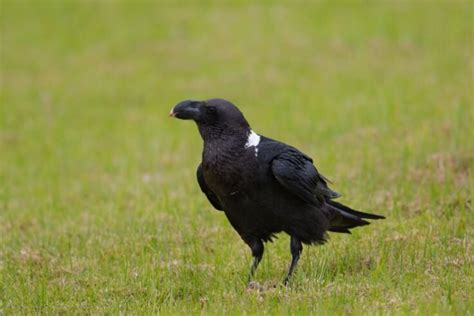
{"x": 100, "y": 210}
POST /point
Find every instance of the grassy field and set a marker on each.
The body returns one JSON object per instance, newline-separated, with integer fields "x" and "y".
{"x": 100, "y": 211}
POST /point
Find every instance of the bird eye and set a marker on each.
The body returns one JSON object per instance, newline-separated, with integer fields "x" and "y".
{"x": 211, "y": 109}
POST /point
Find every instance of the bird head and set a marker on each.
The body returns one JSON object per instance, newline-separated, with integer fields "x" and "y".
{"x": 212, "y": 114}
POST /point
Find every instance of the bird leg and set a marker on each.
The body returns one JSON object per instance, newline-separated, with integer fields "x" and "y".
{"x": 296, "y": 248}
{"x": 257, "y": 252}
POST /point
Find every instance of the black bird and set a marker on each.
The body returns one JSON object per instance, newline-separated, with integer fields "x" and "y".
{"x": 264, "y": 186}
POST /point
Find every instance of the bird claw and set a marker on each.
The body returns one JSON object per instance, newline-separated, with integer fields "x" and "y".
{"x": 254, "y": 286}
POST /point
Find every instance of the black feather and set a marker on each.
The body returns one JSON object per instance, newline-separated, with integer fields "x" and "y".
{"x": 204, "y": 188}
{"x": 354, "y": 212}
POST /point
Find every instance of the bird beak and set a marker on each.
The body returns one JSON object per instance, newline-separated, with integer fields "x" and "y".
{"x": 187, "y": 110}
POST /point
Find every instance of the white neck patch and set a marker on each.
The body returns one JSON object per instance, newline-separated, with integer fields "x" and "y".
{"x": 253, "y": 140}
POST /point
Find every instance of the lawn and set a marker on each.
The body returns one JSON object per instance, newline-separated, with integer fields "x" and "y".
{"x": 100, "y": 211}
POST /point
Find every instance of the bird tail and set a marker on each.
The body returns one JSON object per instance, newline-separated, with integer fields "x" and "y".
{"x": 344, "y": 218}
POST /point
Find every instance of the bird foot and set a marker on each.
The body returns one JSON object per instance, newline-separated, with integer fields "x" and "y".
{"x": 254, "y": 286}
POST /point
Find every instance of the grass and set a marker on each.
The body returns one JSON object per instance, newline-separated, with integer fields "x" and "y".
{"x": 100, "y": 211}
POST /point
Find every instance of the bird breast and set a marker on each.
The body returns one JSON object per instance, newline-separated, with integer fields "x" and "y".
{"x": 228, "y": 169}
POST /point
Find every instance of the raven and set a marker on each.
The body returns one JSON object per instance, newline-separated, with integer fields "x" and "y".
{"x": 263, "y": 186}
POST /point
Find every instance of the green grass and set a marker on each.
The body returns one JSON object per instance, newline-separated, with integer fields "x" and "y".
{"x": 100, "y": 211}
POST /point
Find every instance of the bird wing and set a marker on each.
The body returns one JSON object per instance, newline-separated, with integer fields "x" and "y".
{"x": 211, "y": 196}
{"x": 295, "y": 172}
